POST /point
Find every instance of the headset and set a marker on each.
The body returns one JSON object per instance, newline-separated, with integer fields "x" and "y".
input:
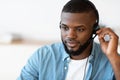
{"x": 96, "y": 25}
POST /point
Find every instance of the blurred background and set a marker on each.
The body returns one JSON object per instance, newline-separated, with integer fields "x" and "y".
{"x": 26, "y": 25}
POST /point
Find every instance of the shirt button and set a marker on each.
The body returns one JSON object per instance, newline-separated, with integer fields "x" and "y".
{"x": 68, "y": 59}
{"x": 65, "y": 67}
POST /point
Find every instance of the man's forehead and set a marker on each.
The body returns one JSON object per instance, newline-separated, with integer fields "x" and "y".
{"x": 77, "y": 17}
{"x": 88, "y": 14}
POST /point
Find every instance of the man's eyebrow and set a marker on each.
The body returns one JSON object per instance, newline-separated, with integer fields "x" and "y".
{"x": 63, "y": 24}
{"x": 79, "y": 25}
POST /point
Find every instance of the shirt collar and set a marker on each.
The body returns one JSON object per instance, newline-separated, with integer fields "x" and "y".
{"x": 65, "y": 56}
{"x": 94, "y": 52}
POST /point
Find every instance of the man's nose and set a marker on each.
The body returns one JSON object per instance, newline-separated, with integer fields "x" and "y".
{"x": 71, "y": 34}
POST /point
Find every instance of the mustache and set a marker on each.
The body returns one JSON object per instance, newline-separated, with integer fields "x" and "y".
{"x": 71, "y": 40}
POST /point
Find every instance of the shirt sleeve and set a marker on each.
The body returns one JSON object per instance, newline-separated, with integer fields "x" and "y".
{"x": 31, "y": 69}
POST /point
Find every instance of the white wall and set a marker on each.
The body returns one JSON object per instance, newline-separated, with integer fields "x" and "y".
{"x": 31, "y": 18}
{"x": 39, "y": 19}
{"x": 109, "y": 12}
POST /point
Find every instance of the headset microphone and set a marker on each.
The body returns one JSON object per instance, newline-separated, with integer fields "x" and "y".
{"x": 86, "y": 44}
{"x": 81, "y": 48}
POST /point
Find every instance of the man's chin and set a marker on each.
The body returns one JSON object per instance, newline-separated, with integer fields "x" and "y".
{"x": 72, "y": 49}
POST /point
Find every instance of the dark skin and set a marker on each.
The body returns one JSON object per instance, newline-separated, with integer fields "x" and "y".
{"x": 78, "y": 27}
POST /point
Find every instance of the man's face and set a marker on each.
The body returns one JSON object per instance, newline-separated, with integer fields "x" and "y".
{"x": 76, "y": 29}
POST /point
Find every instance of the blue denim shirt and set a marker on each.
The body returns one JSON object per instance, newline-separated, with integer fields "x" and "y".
{"x": 50, "y": 62}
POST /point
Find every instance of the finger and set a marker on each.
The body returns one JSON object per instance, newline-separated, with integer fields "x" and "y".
{"x": 107, "y": 31}
{"x": 101, "y": 38}
{"x": 99, "y": 31}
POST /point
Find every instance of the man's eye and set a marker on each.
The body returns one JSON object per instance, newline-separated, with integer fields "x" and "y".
{"x": 80, "y": 29}
{"x": 64, "y": 28}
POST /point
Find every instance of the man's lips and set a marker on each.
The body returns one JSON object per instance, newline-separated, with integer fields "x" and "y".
{"x": 72, "y": 44}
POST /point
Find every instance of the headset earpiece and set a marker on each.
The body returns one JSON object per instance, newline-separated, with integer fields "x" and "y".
{"x": 95, "y": 28}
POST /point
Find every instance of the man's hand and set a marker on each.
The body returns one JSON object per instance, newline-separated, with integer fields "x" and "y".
{"x": 108, "y": 47}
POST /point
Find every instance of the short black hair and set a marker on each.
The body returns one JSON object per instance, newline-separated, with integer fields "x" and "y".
{"x": 78, "y": 6}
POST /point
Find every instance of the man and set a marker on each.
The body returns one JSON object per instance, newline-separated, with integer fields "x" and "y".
{"x": 78, "y": 57}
